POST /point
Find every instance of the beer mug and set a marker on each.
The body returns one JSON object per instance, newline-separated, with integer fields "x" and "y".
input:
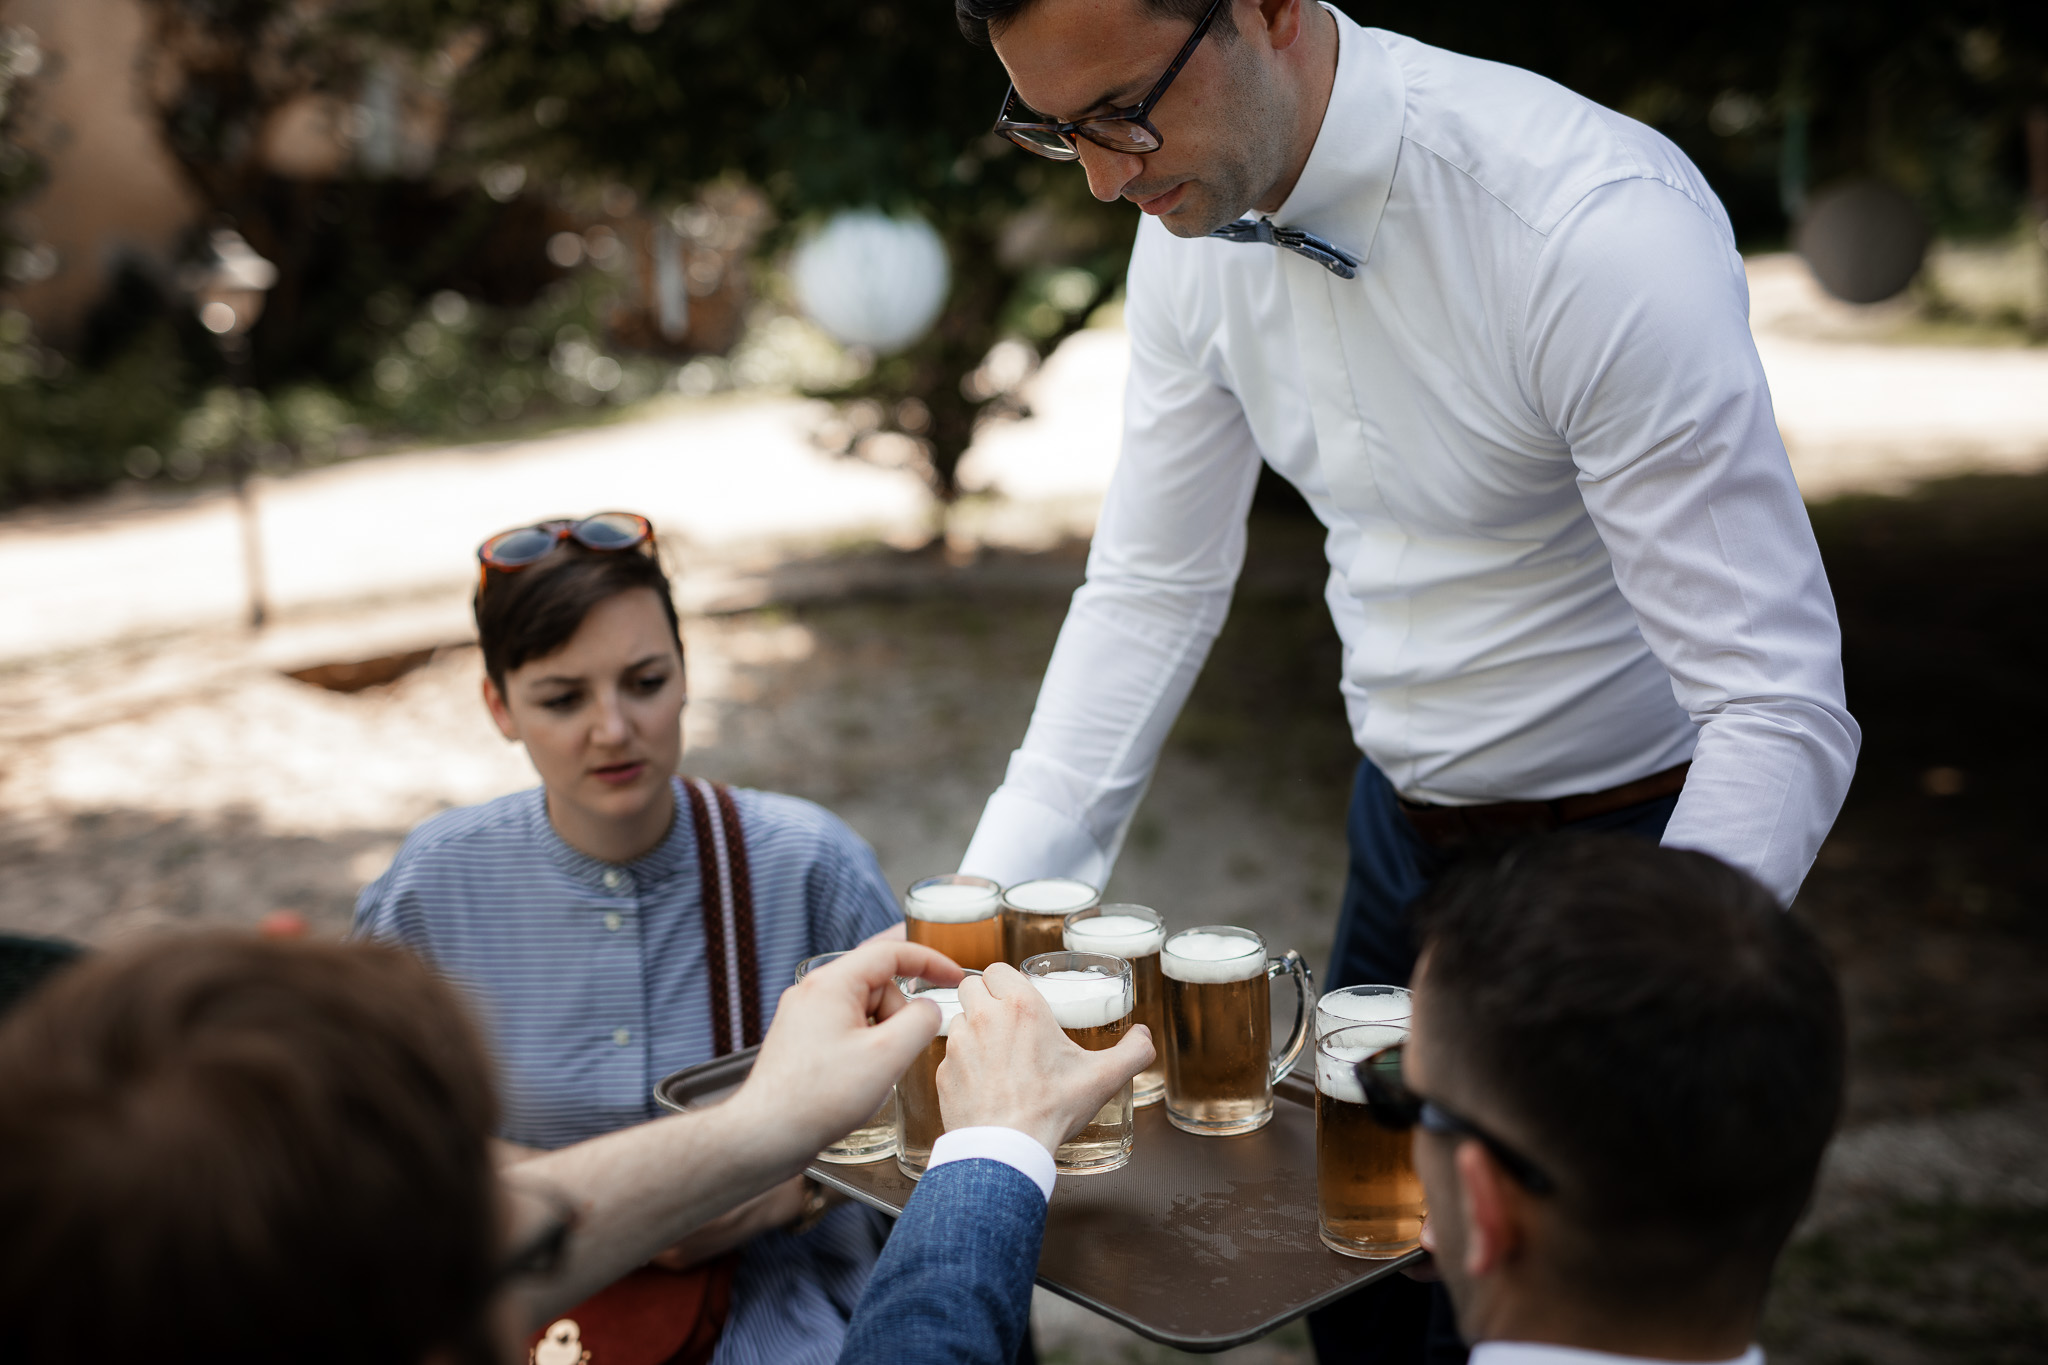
{"x": 1035, "y": 913}
{"x": 1134, "y": 934}
{"x": 1361, "y": 1005}
{"x": 1091, "y": 999}
{"x": 1219, "y": 1028}
{"x": 956, "y": 915}
{"x": 918, "y": 1122}
{"x": 1368, "y": 1198}
{"x": 874, "y": 1139}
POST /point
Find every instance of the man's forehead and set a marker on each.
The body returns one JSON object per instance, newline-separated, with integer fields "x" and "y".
{"x": 1071, "y": 57}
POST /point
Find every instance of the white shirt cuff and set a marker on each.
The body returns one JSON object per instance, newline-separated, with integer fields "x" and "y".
{"x": 1014, "y": 1149}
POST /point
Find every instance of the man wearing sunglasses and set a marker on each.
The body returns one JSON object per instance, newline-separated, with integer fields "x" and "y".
{"x": 1624, "y": 1066}
{"x": 1497, "y": 337}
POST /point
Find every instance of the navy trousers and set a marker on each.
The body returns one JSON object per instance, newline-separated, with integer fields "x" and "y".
{"x": 1398, "y": 1321}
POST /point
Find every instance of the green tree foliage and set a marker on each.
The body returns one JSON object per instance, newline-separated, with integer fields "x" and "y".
{"x": 824, "y": 105}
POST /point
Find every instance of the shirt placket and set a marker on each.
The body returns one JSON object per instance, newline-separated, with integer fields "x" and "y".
{"x": 624, "y": 949}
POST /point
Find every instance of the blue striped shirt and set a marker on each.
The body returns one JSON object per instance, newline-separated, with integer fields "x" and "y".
{"x": 592, "y": 984}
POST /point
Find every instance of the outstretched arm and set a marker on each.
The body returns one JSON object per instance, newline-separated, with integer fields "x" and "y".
{"x": 1637, "y": 349}
{"x": 1166, "y": 554}
{"x": 822, "y": 1069}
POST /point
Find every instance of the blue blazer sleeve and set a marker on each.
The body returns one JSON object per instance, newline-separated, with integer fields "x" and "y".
{"x": 953, "y": 1286}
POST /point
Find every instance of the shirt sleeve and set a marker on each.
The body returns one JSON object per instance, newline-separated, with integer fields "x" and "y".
{"x": 1637, "y": 349}
{"x": 1019, "y": 1151}
{"x": 1166, "y": 554}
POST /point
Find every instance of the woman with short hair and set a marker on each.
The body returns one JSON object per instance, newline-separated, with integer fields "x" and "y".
{"x": 620, "y": 922}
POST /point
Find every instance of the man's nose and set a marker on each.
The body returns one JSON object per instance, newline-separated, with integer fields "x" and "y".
{"x": 1108, "y": 172}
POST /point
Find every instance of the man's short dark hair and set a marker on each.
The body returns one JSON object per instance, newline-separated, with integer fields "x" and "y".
{"x": 226, "y": 1150}
{"x": 532, "y": 612}
{"x": 1667, "y": 1041}
{"x": 979, "y": 18}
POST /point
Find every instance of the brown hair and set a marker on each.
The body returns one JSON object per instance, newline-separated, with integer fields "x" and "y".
{"x": 1665, "y": 1040}
{"x": 226, "y": 1150}
{"x": 532, "y": 612}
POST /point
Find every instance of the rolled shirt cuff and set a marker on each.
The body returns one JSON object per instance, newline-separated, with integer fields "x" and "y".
{"x": 1021, "y": 1153}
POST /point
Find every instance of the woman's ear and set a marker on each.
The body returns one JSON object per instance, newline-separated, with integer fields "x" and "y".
{"x": 501, "y": 714}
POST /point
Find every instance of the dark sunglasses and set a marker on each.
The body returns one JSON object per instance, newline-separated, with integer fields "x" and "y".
{"x": 1129, "y": 131}
{"x": 1393, "y": 1105}
{"x": 510, "y": 551}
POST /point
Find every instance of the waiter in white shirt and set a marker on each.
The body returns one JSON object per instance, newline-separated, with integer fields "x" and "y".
{"x": 1497, "y": 336}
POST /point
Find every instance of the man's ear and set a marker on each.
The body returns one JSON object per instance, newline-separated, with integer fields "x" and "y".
{"x": 1493, "y": 1212}
{"x": 501, "y": 714}
{"x": 1282, "y": 20}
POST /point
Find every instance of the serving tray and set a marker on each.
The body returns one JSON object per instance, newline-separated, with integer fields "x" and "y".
{"x": 1200, "y": 1243}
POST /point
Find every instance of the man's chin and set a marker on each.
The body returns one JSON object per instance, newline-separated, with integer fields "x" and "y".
{"x": 1196, "y": 215}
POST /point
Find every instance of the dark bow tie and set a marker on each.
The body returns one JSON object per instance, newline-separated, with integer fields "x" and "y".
{"x": 1328, "y": 255}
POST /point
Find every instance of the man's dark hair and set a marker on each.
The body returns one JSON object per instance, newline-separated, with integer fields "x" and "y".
{"x": 227, "y": 1150}
{"x": 532, "y": 612}
{"x": 1666, "y": 1041}
{"x": 979, "y": 18}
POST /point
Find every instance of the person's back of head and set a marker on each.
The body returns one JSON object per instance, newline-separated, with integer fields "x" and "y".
{"x": 227, "y": 1150}
{"x": 1665, "y": 1045}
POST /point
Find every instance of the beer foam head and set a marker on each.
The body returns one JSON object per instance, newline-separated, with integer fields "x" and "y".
{"x": 1050, "y": 896}
{"x": 1340, "y": 1052}
{"x": 1084, "y": 999}
{"x": 953, "y": 900}
{"x": 1203, "y": 955}
{"x": 1346, "y": 1006}
{"x": 947, "y": 998}
{"x": 1118, "y": 935}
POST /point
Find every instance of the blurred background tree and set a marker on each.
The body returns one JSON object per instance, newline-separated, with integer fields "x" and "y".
{"x": 828, "y": 105}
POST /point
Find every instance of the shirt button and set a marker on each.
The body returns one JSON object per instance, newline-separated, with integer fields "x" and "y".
{"x": 613, "y": 919}
{"x": 621, "y": 1036}
{"x": 614, "y": 879}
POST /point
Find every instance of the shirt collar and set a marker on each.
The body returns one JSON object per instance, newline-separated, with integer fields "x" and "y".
{"x": 676, "y": 851}
{"x": 1544, "y": 1353}
{"x": 1344, "y": 183}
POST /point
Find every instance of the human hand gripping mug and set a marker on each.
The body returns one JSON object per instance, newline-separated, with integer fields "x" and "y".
{"x": 874, "y": 1139}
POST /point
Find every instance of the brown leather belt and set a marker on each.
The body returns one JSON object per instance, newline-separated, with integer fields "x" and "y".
{"x": 1445, "y": 826}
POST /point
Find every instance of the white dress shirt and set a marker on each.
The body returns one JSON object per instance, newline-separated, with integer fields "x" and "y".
{"x": 1540, "y": 1353}
{"x": 1566, "y": 549}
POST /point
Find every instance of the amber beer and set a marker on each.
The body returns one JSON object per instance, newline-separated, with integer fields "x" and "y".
{"x": 1219, "y": 1067}
{"x": 918, "y": 1123}
{"x": 1133, "y": 933}
{"x": 957, "y": 915}
{"x": 875, "y": 1138}
{"x": 1035, "y": 915}
{"x": 1368, "y": 1198}
{"x": 1090, "y": 995}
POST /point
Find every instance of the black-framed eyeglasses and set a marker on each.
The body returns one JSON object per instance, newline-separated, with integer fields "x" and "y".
{"x": 1393, "y": 1105}
{"x": 1129, "y": 131}
{"x": 540, "y": 1254}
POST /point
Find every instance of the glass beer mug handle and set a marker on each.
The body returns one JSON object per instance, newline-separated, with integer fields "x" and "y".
{"x": 1304, "y": 1007}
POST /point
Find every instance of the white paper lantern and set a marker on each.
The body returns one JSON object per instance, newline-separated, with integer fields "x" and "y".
{"x": 872, "y": 280}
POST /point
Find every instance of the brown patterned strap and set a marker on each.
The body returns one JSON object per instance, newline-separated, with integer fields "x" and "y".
{"x": 728, "y": 901}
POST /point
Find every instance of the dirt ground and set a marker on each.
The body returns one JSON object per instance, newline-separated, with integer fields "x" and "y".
{"x": 146, "y": 787}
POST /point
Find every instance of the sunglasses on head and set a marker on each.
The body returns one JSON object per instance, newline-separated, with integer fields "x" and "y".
{"x": 1394, "y": 1106}
{"x": 510, "y": 551}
